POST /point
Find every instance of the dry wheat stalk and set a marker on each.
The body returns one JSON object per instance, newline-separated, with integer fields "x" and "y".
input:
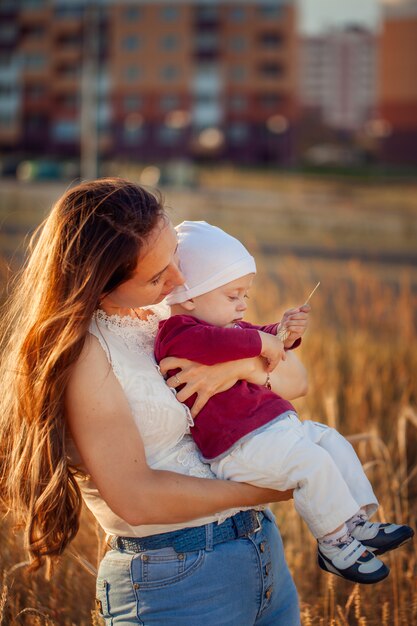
{"x": 357, "y": 604}
{"x": 48, "y": 621}
{"x": 306, "y": 617}
{"x": 385, "y": 614}
{"x": 331, "y": 598}
{"x": 3, "y": 597}
{"x": 341, "y": 616}
{"x": 96, "y": 619}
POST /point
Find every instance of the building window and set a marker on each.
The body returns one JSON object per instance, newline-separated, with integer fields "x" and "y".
{"x": 35, "y": 92}
{"x": 71, "y": 41}
{"x": 132, "y": 73}
{"x": 238, "y": 43}
{"x": 69, "y": 71}
{"x": 238, "y": 103}
{"x": 5, "y": 60}
{"x": 36, "y": 31}
{"x": 207, "y": 42}
{"x": 207, "y": 99}
{"x": 6, "y": 91}
{"x": 207, "y": 13}
{"x": 270, "y": 40}
{"x": 170, "y": 42}
{"x": 237, "y": 14}
{"x": 238, "y": 73}
{"x": 271, "y": 70}
{"x": 132, "y": 103}
{"x": 7, "y": 5}
{"x": 103, "y": 116}
{"x": 170, "y": 72}
{"x": 270, "y": 9}
{"x": 269, "y": 100}
{"x": 32, "y": 4}
{"x": 36, "y": 123}
{"x": 170, "y": 13}
{"x": 132, "y": 13}
{"x": 238, "y": 132}
{"x": 66, "y": 130}
{"x": 168, "y": 135}
{"x": 69, "y": 101}
{"x": 8, "y": 33}
{"x": 69, "y": 11}
{"x": 6, "y": 119}
{"x": 169, "y": 102}
{"x": 133, "y": 134}
{"x": 35, "y": 61}
{"x": 131, "y": 43}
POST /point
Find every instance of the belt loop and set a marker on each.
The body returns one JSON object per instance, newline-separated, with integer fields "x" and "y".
{"x": 209, "y": 537}
{"x": 259, "y": 516}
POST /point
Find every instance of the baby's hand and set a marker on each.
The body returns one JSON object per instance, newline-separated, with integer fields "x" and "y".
{"x": 293, "y": 324}
{"x": 272, "y": 350}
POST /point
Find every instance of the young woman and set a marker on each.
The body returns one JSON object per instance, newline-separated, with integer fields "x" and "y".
{"x": 85, "y": 413}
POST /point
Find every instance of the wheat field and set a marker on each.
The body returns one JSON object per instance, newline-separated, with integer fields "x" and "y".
{"x": 360, "y": 350}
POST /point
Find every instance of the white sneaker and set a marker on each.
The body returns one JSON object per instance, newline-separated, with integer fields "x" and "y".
{"x": 351, "y": 560}
{"x": 379, "y": 538}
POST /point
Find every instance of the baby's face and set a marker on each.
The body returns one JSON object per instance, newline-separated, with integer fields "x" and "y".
{"x": 225, "y": 305}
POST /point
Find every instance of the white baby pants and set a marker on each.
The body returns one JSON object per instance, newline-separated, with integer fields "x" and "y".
{"x": 321, "y": 466}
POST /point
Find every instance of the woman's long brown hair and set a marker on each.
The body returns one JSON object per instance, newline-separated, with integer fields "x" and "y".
{"x": 89, "y": 244}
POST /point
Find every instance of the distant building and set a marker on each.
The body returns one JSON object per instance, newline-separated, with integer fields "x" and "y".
{"x": 397, "y": 87}
{"x": 338, "y": 77}
{"x": 171, "y": 79}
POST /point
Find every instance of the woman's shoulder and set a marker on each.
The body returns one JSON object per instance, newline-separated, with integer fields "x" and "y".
{"x": 91, "y": 362}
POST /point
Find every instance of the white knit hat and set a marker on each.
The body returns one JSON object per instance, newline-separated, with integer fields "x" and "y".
{"x": 208, "y": 258}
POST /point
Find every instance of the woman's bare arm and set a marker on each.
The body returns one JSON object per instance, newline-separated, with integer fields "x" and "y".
{"x": 288, "y": 379}
{"x": 112, "y": 451}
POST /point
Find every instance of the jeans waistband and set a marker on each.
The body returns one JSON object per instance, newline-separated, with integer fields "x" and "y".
{"x": 240, "y": 525}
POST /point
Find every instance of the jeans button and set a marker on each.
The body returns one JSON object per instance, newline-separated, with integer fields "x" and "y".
{"x": 268, "y": 593}
{"x": 262, "y": 547}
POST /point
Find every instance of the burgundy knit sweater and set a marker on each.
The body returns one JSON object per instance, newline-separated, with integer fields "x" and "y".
{"x": 231, "y": 415}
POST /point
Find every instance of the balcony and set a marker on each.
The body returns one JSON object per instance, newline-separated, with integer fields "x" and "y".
{"x": 207, "y": 17}
{"x": 206, "y": 46}
{"x": 207, "y": 80}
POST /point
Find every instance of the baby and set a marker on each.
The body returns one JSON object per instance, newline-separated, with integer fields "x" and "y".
{"x": 250, "y": 434}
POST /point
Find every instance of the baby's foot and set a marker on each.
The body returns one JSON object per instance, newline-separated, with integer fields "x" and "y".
{"x": 351, "y": 560}
{"x": 380, "y": 538}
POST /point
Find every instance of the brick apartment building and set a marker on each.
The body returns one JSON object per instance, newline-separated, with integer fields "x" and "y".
{"x": 397, "y": 89}
{"x": 164, "y": 79}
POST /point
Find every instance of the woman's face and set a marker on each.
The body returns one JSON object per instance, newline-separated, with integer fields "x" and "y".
{"x": 156, "y": 273}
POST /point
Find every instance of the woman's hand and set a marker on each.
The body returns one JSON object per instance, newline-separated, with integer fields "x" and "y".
{"x": 289, "y": 379}
{"x": 204, "y": 380}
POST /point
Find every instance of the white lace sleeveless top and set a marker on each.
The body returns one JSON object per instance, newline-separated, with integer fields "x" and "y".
{"x": 162, "y": 421}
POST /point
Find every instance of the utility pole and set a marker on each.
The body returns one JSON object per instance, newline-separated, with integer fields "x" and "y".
{"x": 89, "y": 95}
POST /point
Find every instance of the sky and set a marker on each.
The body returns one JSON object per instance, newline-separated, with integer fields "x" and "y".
{"x": 317, "y": 15}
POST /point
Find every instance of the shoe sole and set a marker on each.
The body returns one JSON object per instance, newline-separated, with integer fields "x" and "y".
{"x": 389, "y": 547}
{"x": 370, "y": 579}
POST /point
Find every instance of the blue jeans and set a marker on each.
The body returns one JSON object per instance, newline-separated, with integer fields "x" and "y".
{"x": 242, "y": 582}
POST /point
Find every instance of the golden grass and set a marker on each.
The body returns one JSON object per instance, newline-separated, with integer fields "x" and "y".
{"x": 361, "y": 355}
